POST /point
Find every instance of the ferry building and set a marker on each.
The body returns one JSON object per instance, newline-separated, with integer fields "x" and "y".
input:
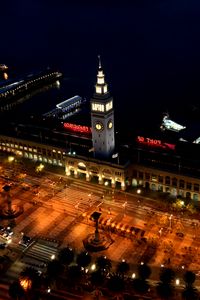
{"x": 101, "y": 162}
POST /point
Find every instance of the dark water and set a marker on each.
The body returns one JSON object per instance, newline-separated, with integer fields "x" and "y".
{"x": 149, "y": 49}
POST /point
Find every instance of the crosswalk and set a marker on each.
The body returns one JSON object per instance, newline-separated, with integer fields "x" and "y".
{"x": 36, "y": 256}
{"x": 40, "y": 252}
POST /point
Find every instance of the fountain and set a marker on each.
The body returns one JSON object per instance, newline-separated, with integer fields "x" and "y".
{"x": 97, "y": 242}
{"x": 8, "y": 210}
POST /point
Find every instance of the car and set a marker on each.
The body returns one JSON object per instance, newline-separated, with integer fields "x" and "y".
{"x": 25, "y": 241}
{"x": 6, "y": 233}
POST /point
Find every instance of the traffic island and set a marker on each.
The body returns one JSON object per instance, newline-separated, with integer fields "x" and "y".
{"x": 97, "y": 242}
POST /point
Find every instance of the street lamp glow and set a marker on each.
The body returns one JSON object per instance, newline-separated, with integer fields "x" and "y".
{"x": 177, "y": 281}
{"x": 138, "y": 191}
{"x": 48, "y": 290}
{"x": 10, "y": 158}
{"x": 53, "y": 256}
{"x": 133, "y": 275}
{"x": 93, "y": 267}
{"x": 106, "y": 183}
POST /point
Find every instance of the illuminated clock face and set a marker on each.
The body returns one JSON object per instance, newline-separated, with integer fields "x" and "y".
{"x": 110, "y": 124}
{"x": 99, "y": 126}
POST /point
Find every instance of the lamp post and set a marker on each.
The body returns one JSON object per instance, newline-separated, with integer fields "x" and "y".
{"x": 170, "y": 221}
{"x": 124, "y": 206}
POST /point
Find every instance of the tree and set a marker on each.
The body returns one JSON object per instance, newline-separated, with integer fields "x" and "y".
{"x": 167, "y": 275}
{"x": 66, "y": 255}
{"x": 140, "y": 284}
{"x": 165, "y": 289}
{"x": 97, "y": 278}
{"x": 83, "y": 259}
{"x": 16, "y": 291}
{"x": 104, "y": 264}
{"x": 33, "y": 275}
{"x": 31, "y": 281}
{"x": 189, "y": 292}
{"x": 122, "y": 268}
{"x": 74, "y": 274}
{"x": 144, "y": 271}
{"x": 189, "y": 278}
{"x": 54, "y": 270}
{"x": 116, "y": 284}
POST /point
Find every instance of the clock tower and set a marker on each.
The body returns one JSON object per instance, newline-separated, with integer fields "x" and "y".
{"x": 102, "y": 118}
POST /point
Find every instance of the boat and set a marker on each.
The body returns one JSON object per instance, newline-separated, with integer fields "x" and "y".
{"x": 168, "y": 124}
{"x": 3, "y": 67}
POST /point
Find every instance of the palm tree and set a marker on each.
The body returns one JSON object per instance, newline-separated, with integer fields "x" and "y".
{"x": 104, "y": 264}
{"x": 144, "y": 271}
{"x": 54, "y": 270}
{"x": 16, "y": 291}
{"x": 83, "y": 259}
{"x": 66, "y": 255}
{"x": 31, "y": 281}
{"x": 165, "y": 289}
{"x": 116, "y": 285}
{"x": 74, "y": 275}
{"x": 189, "y": 278}
{"x": 123, "y": 268}
{"x": 140, "y": 284}
{"x": 189, "y": 292}
{"x": 97, "y": 278}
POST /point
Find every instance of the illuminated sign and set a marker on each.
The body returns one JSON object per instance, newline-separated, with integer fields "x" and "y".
{"x": 154, "y": 143}
{"x": 77, "y": 128}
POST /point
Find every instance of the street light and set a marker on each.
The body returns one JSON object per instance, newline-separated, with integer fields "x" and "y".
{"x": 53, "y": 256}
{"x": 133, "y": 275}
{"x": 93, "y": 267}
{"x": 124, "y": 206}
{"x": 177, "y": 281}
{"x": 170, "y": 221}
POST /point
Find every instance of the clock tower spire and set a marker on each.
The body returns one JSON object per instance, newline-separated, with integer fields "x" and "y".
{"x": 102, "y": 117}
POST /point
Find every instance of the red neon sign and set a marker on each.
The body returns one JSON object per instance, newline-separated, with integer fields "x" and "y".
{"x": 154, "y": 143}
{"x": 77, "y": 128}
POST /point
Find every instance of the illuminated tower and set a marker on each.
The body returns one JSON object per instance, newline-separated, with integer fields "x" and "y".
{"x": 102, "y": 118}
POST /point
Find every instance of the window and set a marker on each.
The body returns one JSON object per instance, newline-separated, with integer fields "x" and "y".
{"x": 160, "y": 179}
{"x": 147, "y": 176}
{"x": 140, "y": 175}
{"x": 174, "y": 182}
{"x": 167, "y": 180}
{"x": 134, "y": 174}
{"x": 188, "y": 185}
{"x": 196, "y": 187}
{"x": 182, "y": 184}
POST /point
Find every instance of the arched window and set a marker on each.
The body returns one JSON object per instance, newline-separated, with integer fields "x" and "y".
{"x": 196, "y": 187}
{"x": 174, "y": 181}
{"x": 167, "y": 180}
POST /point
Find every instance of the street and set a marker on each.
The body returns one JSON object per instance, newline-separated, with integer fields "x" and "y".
{"x": 58, "y": 209}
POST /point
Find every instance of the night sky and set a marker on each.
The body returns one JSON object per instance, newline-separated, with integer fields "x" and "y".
{"x": 150, "y": 49}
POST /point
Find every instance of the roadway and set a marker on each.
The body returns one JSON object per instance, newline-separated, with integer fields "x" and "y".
{"x": 58, "y": 208}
